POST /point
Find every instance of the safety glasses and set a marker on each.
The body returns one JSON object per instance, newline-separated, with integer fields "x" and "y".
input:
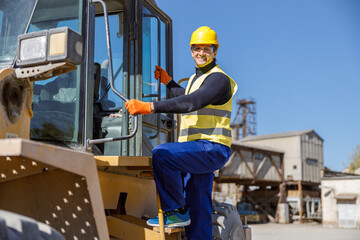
{"x": 205, "y": 49}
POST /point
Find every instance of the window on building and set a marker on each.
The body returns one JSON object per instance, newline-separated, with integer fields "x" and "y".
{"x": 312, "y": 161}
{"x": 259, "y": 156}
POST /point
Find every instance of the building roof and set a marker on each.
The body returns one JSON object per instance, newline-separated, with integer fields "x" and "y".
{"x": 346, "y": 197}
{"x": 328, "y": 174}
{"x": 280, "y": 135}
{"x": 254, "y": 146}
{"x": 346, "y": 177}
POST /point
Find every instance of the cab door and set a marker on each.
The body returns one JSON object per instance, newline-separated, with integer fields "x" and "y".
{"x": 156, "y": 47}
{"x": 141, "y": 38}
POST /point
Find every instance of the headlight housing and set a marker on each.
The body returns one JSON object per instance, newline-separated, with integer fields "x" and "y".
{"x": 54, "y": 45}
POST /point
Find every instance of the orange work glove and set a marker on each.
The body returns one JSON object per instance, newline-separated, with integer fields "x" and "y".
{"x": 162, "y": 74}
{"x": 138, "y": 107}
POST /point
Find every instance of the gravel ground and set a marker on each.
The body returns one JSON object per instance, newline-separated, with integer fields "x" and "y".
{"x": 296, "y": 231}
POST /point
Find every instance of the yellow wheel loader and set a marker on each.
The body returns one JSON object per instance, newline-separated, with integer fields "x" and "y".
{"x": 73, "y": 163}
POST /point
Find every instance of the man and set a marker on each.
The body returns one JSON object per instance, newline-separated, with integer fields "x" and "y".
{"x": 204, "y": 139}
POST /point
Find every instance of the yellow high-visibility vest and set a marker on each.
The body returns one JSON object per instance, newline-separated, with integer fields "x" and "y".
{"x": 211, "y": 122}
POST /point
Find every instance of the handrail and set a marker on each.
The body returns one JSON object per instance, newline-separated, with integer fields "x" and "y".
{"x": 158, "y": 95}
{"x": 89, "y": 142}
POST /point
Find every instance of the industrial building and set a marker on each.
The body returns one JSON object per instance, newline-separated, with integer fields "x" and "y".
{"x": 252, "y": 174}
{"x": 281, "y": 167}
{"x": 303, "y": 159}
{"x": 303, "y": 162}
{"x": 341, "y": 201}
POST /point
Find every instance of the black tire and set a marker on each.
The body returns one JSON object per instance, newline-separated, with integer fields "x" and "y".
{"x": 226, "y": 222}
{"x": 17, "y": 227}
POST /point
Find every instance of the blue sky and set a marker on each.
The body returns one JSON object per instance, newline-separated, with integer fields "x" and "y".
{"x": 299, "y": 60}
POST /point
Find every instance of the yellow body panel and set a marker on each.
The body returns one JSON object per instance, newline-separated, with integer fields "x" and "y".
{"x": 130, "y": 228}
{"x": 20, "y": 126}
{"x": 141, "y": 193}
{"x": 53, "y": 185}
{"x": 123, "y": 161}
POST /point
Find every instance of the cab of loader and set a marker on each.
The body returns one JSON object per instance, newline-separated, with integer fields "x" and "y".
{"x": 121, "y": 42}
{"x": 79, "y": 108}
{"x": 83, "y": 110}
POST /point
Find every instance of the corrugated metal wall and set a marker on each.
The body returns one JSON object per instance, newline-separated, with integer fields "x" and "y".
{"x": 312, "y": 157}
{"x": 261, "y": 167}
{"x": 291, "y": 147}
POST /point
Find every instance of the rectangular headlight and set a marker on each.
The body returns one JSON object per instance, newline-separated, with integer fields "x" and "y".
{"x": 32, "y": 48}
{"x": 57, "y": 44}
{"x": 65, "y": 45}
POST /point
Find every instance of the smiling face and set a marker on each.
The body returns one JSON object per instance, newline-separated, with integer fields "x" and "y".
{"x": 203, "y": 54}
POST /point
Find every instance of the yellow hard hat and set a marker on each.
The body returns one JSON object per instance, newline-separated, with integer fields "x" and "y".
{"x": 204, "y": 35}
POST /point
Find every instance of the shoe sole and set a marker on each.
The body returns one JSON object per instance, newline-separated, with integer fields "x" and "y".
{"x": 174, "y": 225}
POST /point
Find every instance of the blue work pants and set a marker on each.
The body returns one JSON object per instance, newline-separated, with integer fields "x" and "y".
{"x": 172, "y": 162}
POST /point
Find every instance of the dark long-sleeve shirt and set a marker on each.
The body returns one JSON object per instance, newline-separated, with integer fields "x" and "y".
{"x": 215, "y": 90}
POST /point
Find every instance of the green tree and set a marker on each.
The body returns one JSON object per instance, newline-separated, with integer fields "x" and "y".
{"x": 355, "y": 159}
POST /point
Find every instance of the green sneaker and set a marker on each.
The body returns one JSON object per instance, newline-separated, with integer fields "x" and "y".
{"x": 172, "y": 219}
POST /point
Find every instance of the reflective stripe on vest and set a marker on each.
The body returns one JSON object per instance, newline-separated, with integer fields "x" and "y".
{"x": 211, "y": 111}
{"x": 210, "y": 123}
{"x": 207, "y": 131}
